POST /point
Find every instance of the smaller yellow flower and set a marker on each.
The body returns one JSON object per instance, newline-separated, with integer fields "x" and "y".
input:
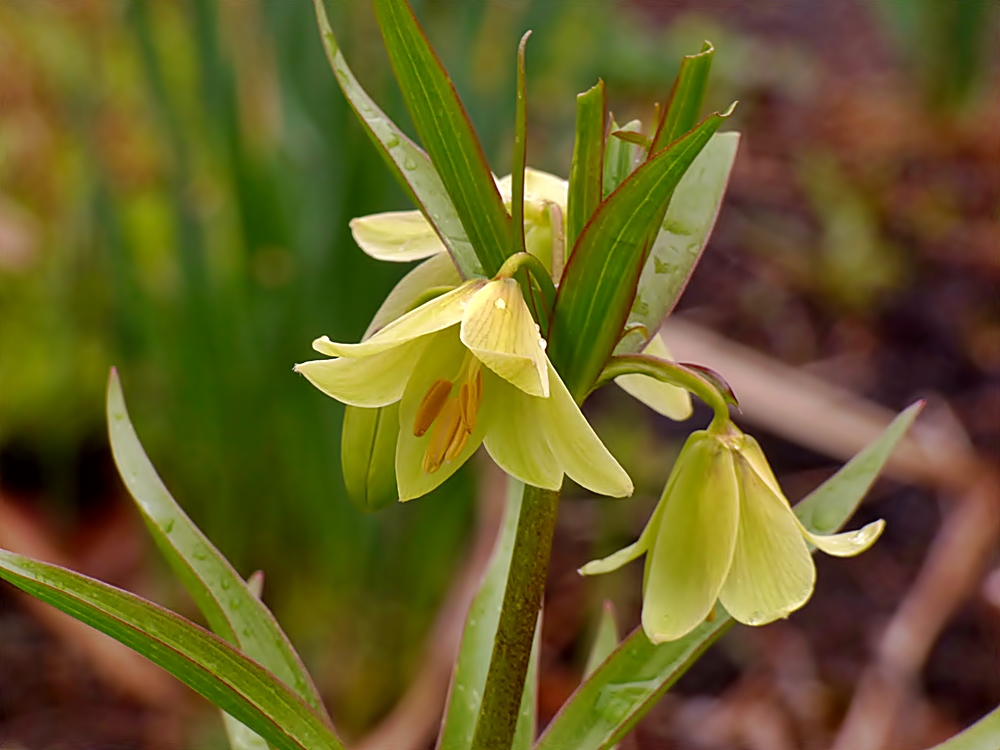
{"x": 723, "y": 530}
{"x": 469, "y": 367}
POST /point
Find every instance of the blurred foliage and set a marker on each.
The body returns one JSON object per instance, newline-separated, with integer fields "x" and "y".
{"x": 176, "y": 180}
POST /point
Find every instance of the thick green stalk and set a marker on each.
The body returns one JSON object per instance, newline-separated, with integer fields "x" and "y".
{"x": 521, "y": 601}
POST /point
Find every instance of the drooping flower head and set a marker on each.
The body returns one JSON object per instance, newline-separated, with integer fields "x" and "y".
{"x": 724, "y": 531}
{"x": 401, "y": 236}
{"x": 469, "y": 367}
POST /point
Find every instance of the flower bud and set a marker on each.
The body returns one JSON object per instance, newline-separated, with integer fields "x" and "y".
{"x": 368, "y": 455}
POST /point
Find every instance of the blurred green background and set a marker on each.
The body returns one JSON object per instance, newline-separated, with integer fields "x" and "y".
{"x": 176, "y": 179}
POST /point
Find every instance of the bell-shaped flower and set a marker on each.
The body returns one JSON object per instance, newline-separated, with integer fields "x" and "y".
{"x": 402, "y": 236}
{"x": 724, "y": 531}
{"x": 469, "y": 367}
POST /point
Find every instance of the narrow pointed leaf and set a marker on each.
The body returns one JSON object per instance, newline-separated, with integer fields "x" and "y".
{"x": 588, "y": 162}
{"x": 223, "y": 597}
{"x": 605, "y": 639}
{"x": 684, "y": 108}
{"x": 202, "y": 661}
{"x": 630, "y": 681}
{"x": 446, "y": 133}
{"x": 469, "y": 678}
{"x": 621, "y": 154}
{"x": 826, "y": 508}
{"x": 983, "y": 735}
{"x": 682, "y": 237}
{"x": 407, "y": 161}
{"x": 600, "y": 279}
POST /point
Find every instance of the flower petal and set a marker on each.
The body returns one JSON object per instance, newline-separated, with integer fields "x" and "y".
{"x": 847, "y": 543}
{"x": 373, "y": 381}
{"x": 439, "y": 313}
{"x": 438, "y": 270}
{"x": 500, "y": 331}
{"x": 754, "y": 456}
{"x": 441, "y": 359}
{"x": 516, "y": 439}
{"x": 539, "y": 187}
{"x": 694, "y": 543}
{"x": 623, "y": 556}
{"x": 398, "y": 236}
{"x": 666, "y": 399}
{"x": 772, "y": 573}
{"x": 579, "y": 451}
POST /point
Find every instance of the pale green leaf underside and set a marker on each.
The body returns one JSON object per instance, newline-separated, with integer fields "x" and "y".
{"x": 637, "y": 674}
{"x": 469, "y": 677}
{"x": 682, "y": 237}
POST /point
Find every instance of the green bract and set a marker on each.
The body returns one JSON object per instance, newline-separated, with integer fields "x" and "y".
{"x": 723, "y": 530}
{"x": 406, "y": 236}
{"x": 469, "y": 367}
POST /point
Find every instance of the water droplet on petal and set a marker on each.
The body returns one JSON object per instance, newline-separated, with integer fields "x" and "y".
{"x": 500, "y": 304}
{"x": 542, "y": 343}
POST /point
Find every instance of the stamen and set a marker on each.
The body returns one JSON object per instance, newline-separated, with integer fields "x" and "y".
{"x": 443, "y": 436}
{"x": 711, "y": 615}
{"x": 457, "y": 443}
{"x": 431, "y": 405}
{"x": 470, "y": 395}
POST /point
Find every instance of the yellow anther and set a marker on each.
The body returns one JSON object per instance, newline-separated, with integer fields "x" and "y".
{"x": 470, "y": 395}
{"x": 446, "y": 426}
{"x": 431, "y": 405}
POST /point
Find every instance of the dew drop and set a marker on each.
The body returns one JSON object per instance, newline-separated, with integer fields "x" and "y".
{"x": 500, "y": 304}
{"x": 409, "y": 164}
{"x": 168, "y": 526}
{"x": 543, "y": 343}
{"x": 392, "y": 141}
{"x": 247, "y": 632}
{"x": 225, "y": 584}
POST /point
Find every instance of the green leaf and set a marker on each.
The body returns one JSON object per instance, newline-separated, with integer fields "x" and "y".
{"x": 447, "y": 134}
{"x": 202, "y": 661}
{"x": 682, "y": 237}
{"x": 630, "y": 681}
{"x": 600, "y": 279}
{"x": 231, "y": 609}
{"x": 621, "y": 154}
{"x": 684, "y": 107}
{"x": 605, "y": 639}
{"x": 827, "y": 507}
{"x": 469, "y": 678}
{"x": 983, "y": 735}
{"x": 527, "y": 721}
{"x": 407, "y": 161}
{"x": 588, "y": 161}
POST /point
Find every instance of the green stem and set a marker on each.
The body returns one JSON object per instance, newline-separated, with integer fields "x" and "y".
{"x": 536, "y": 268}
{"x": 520, "y": 150}
{"x": 673, "y": 373}
{"x": 522, "y": 599}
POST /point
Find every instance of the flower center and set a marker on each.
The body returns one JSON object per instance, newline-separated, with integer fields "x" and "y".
{"x": 449, "y": 410}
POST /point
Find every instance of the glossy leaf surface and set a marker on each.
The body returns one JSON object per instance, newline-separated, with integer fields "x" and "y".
{"x": 447, "y": 134}
{"x": 620, "y": 692}
{"x": 600, "y": 279}
{"x": 202, "y": 661}
{"x": 410, "y": 164}
{"x": 684, "y": 107}
{"x": 588, "y": 161}
{"x": 682, "y": 237}
{"x": 223, "y": 597}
